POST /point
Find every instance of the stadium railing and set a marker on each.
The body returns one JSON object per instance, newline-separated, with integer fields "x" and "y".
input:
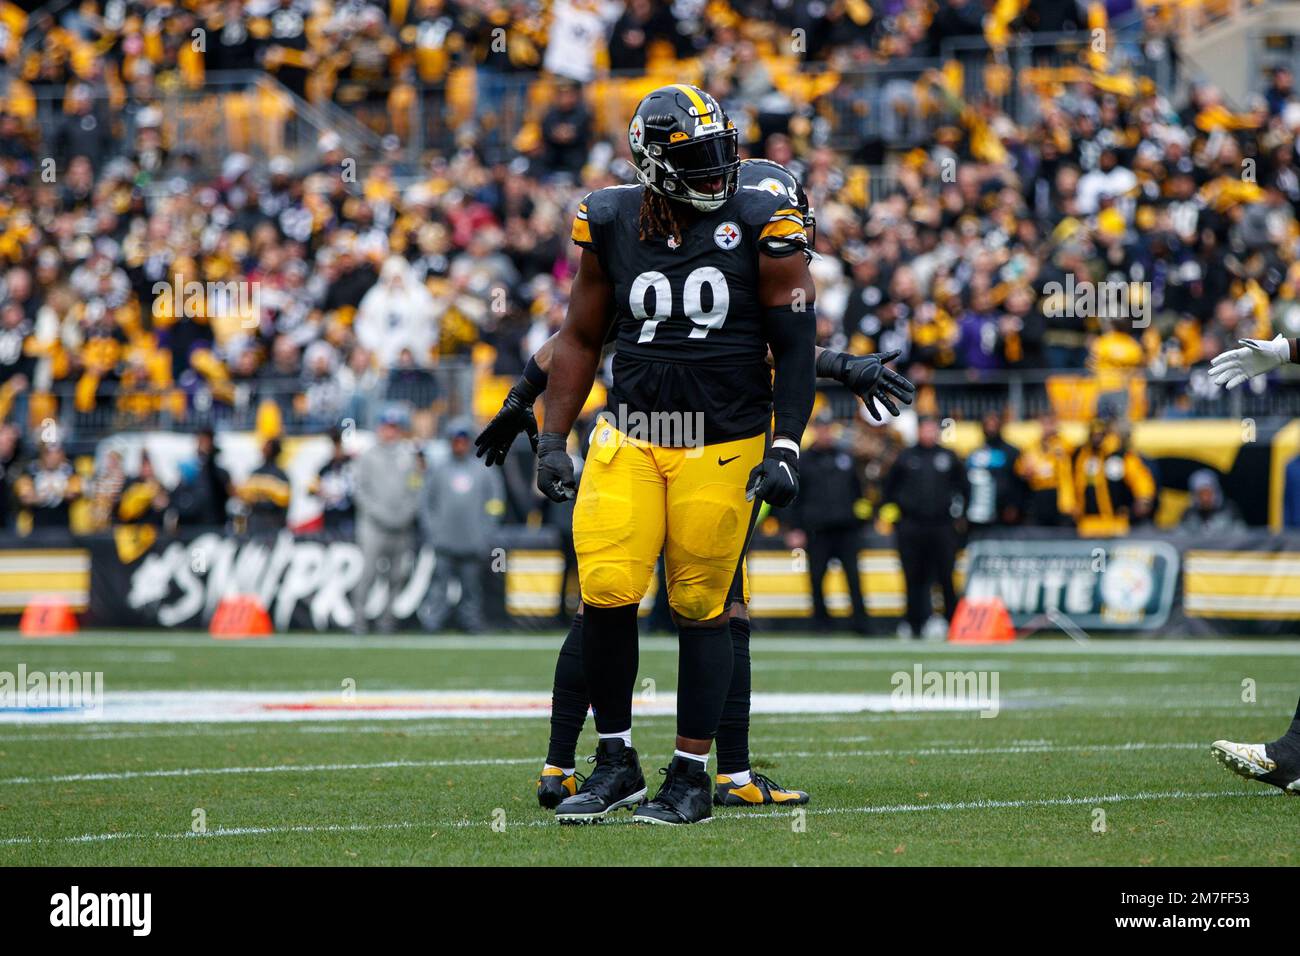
{"x": 233, "y": 111}
{"x": 448, "y": 388}
{"x": 968, "y": 394}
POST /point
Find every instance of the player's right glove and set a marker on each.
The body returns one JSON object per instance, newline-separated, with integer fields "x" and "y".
{"x": 555, "y": 467}
{"x": 868, "y": 378}
{"x": 1255, "y": 357}
{"x": 516, "y": 416}
{"x": 776, "y": 478}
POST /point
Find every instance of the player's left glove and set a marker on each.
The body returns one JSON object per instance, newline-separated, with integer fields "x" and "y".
{"x": 555, "y": 467}
{"x": 868, "y": 378}
{"x": 776, "y": 478}
{"x": 1255, "y": 357}
{"x": 516, "y": 416}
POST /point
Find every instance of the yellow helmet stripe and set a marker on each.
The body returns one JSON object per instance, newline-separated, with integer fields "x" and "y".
{"x": 701, "y": 108}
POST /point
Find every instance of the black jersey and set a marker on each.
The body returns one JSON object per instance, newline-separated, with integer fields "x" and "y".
{"x": 687, "y": 323}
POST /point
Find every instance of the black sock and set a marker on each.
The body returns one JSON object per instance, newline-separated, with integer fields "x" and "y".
{"x": 568, "y": 700}
{"x": 733, "y": 728}
{"x": 703, "y": 677}
{"x": 1286, "y": 749}
{"x": 609, "y": 663}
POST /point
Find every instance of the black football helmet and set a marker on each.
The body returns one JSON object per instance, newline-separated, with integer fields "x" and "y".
{"x": 775, "y": 178}
{"x": 685, "y": 147}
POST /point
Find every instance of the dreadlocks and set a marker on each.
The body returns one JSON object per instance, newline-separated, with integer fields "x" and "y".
{"x": 658, "y": 221}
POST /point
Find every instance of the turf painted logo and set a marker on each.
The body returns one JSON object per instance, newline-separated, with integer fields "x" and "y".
{"x": 42, "y": 692}
{"x": 74, "y": 909}
{"x": 919, "y": 689}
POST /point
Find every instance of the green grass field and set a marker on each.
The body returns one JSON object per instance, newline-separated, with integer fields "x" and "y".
{"x": 1113, "y": 733}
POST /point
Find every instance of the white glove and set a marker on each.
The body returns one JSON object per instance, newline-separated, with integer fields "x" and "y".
{"x": 1255, "y": 357}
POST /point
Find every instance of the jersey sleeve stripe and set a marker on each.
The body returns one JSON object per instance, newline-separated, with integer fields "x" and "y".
{"x": 783, "y": 229}
{"x": 581, "y": 231}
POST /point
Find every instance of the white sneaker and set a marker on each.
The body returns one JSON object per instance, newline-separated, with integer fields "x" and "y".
{"x": 936, "y": 629}
{"x": 904, "y": 632}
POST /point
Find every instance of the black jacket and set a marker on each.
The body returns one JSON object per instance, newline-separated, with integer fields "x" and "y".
{"x": 928, "y": 484}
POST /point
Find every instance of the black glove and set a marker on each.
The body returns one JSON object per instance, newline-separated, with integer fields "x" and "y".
{"x": 775, "y": 479}
{"x": 516, "y": 416}
{"x": 555, "y": 467}
{"x": 868, "y": 378}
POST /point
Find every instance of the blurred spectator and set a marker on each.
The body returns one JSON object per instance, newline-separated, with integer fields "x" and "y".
{"x": 996, "y": 491}
{"x": 106, "y": 490}
{"x": 334, "y": 486}
{"x": 566, "y": 130}
{"x": 10, "y": 451}
{"x": 265, "y": 494}
{"x": 204, "y": 492}
{"x": 828, "y": 519}
{"x": 397, "y": 315}
{"x": 1113, "y": 486}
{"x": 1291, "y": 495}
{"x": 82, "y": 133}
{"x": 927, "y": 487}
{"x": 1210, "y": 513}
{"x": 145, "y": 500}
{"x": 387, "y": 498}
{"x": 1045, "y": 468}
{"x": 47, "y": 487}
{"x": 461, "y": 505}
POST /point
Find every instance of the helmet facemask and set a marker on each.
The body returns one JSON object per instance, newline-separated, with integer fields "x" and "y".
{"x": 703, "y": 171}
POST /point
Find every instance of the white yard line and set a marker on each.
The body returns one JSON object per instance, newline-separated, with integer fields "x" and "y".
{"x": 747, "y": 815}
{"x": 514, "y": 761}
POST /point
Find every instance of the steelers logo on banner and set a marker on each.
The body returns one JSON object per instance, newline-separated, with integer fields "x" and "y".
{"x": 727, "y": 235}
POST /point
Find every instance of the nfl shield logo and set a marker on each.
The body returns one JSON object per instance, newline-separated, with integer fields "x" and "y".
{"x": 727, "y": 235}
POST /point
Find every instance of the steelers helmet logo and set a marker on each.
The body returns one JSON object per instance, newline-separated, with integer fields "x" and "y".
{"x": 636, "y": 134}
{"x": 727, "y": 235}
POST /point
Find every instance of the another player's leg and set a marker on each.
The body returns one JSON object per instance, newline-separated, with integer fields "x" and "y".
{"x": 569, "y": 703}
{"x": 1277, "y": 763}
{"x": 736, "y": 784}
{"x": 618, "y": 531}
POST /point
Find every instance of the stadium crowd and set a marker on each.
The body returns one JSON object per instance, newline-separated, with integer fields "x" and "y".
{"x": 964, "y": 253}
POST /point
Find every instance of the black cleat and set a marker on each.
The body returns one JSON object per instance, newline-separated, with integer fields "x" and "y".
{"x": 616, "y": 782}
{"x": 554, "y": 785}
{"x": 683, "y": 798}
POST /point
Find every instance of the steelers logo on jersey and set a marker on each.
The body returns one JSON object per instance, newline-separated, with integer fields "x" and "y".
{"x": 727, "y": 235}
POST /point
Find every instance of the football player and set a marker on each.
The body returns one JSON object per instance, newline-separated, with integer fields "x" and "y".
{"x": 1278, "y": 762}
{"x": 676, "y": 265}
{"x": 736, "y": 784}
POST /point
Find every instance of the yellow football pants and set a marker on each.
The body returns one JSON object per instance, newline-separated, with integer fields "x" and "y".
{"x": 636, "y": 499}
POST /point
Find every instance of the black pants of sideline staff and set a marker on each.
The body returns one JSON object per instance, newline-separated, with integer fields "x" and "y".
{"x": 843, "y": 544}
{"x": 927, "y": 551}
